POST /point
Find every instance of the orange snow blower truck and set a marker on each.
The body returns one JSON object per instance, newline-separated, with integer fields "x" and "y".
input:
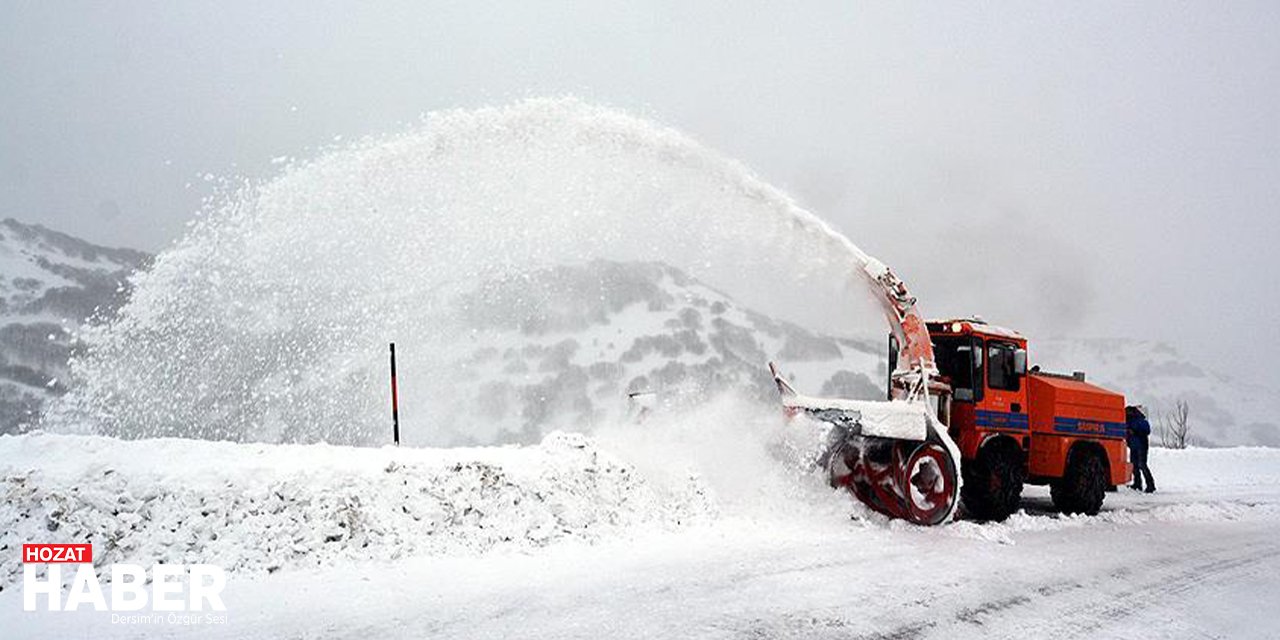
{"x": 962, "y": 405}
{"x": 1014, "y": 426}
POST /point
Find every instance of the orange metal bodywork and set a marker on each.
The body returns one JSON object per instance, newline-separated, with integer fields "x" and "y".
{"x": 1065, "y": 412}
{"x": 1047, "y": 415}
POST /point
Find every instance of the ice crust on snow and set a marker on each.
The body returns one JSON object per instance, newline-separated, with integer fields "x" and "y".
{"x": 260, "y": 508}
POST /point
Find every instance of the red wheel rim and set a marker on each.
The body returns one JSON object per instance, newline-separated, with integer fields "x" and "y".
{"x": 929, "y": 486}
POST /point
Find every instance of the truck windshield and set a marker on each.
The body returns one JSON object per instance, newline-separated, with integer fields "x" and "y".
{"x": 955, "y": 359}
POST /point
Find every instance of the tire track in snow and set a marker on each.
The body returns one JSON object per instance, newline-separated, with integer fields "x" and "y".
{"x": 1090, "y": 606}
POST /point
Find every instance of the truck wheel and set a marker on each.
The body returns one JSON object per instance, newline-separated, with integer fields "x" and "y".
{"x": 993, "y": 481}
{"x": 1083, "y": 485}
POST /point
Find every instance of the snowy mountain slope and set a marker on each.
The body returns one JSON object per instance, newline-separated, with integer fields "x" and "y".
{"x": 561, "y": 348}
{"x": 50, "y": 283}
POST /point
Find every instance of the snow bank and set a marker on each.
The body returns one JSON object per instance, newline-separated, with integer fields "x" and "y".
{"x": 255, "y": 508}
{"x": 1199, "y": 468}
{"x": 259, "y": 508}
{"x": 1195, "y": 485}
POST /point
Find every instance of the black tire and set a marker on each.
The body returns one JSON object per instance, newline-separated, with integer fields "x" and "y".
{"x": 1083, "y": 485}
{"x": 993, "y": 481}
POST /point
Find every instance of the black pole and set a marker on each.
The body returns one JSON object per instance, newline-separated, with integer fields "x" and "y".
{"x": 395, "y": 399}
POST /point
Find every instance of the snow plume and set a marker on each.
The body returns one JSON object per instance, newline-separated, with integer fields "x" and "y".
{"x": 270, "y": 320}
{"x": 754, "y": 463}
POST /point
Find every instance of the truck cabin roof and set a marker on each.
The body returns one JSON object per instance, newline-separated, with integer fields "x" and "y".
{"x": 971, "y": 326}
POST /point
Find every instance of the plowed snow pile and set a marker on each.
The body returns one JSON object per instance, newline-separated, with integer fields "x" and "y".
{"x": 259, "y": 508}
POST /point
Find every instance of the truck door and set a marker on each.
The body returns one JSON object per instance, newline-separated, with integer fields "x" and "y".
{"x": 1005, "y": 404}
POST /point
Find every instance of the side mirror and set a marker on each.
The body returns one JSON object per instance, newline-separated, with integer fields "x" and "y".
{"x": 1020, "y": 362}
{"x": 964, "y": 394}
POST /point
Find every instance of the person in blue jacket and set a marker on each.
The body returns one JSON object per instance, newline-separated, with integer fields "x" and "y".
{"x": 1139, "y": 435}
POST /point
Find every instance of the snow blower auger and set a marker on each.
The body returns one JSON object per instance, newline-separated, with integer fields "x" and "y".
{"x": 894, "y": 456}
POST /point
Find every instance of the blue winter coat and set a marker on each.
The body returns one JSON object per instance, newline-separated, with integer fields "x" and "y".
{"x": 1138, "y": 431}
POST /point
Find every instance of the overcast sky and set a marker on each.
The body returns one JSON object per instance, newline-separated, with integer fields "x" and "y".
{"x": 1111, "y": 170}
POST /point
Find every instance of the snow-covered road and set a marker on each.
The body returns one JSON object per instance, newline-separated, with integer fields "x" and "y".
{"x": 1201, "y": 558}
{"x": 1147, "y": 578}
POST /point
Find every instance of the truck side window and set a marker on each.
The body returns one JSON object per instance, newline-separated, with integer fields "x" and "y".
{"x": 978, "y": 363}
{"x": 1001, "y": 373}
{"x": 959, "y": 360}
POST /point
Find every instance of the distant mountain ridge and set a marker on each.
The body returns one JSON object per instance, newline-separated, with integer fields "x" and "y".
{"x": 50, "y": 283}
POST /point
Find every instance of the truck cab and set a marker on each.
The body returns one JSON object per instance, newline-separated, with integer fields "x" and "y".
{"x": 1015, "y": 426}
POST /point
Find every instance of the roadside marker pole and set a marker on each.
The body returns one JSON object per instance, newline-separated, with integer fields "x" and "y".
{"x": 395, "y": 399}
